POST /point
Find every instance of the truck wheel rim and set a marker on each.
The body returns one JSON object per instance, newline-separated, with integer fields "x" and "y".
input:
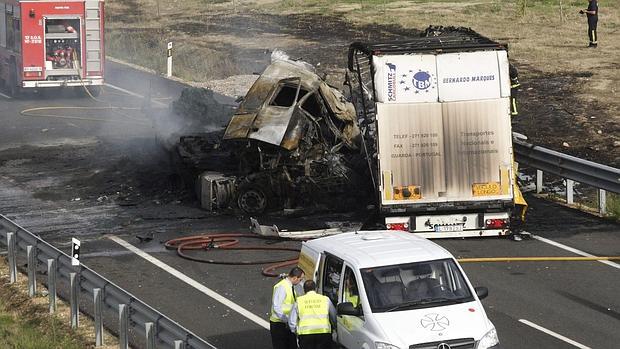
{"x": 252, "y": 201}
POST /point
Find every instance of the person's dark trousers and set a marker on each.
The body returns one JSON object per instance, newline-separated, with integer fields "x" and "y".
{"x": 315, "y": 341}
{"x": 592, "y": 32}
{"x": 281, "y": 336}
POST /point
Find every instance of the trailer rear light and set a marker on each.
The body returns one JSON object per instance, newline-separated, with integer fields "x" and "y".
{"x": 496, "y": 223}
{"x": 398, "y": 226}
{"x": 32, "y": 74}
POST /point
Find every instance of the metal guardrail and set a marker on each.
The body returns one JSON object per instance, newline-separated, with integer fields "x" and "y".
{"x": 133, "y": 313}
{"x": 605, "y": 178}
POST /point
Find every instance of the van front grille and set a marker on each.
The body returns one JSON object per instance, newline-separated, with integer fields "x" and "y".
{"x": 463, "y": 343}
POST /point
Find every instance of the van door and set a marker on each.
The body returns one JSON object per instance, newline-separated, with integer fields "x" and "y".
{"x": 350, "y": 328}
{"x": 309, "y": 260}
{"x": 331, "y": 272}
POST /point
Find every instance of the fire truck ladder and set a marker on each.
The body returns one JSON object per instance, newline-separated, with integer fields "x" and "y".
{"x": 93, "y": 36}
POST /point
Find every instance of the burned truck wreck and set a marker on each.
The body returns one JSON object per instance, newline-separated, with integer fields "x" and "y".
{"x": 293, "y": 142}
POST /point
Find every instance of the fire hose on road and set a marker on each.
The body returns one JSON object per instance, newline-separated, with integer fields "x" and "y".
{"x": 231, "y": 242}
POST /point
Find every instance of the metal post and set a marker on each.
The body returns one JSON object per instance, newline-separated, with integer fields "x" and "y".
{"x": 98, "y": 308}
{"x": 569, "y": 191}
{"x": 602, "y": 202}
{"x": 179, "y": 344}
{"x": 51, "y": 284}
{"x": 74, "y": 297}
{"x": 150, "y": 335}
{"x": 31, "y": 254}
{"x": 10, "y": 242}
{"x": 169, "y": 65}
{"x": 123, "y": 340}
{"x": 539, "y": 181}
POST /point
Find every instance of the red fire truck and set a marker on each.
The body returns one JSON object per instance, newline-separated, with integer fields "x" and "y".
{"x": 47, "y": 44}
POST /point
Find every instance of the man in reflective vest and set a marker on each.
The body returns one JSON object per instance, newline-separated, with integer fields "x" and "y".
{"x": 311, "y": 317}
{"x": 514, "y": 88}
{"x": 283, "y": 298}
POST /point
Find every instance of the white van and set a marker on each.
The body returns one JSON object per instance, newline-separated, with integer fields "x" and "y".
{"x": 395, "y": 290}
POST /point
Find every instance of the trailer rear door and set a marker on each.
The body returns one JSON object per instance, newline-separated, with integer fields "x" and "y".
{"x": 443, "y": 123}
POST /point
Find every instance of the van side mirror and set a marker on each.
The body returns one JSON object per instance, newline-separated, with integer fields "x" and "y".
{"x": 347, "y": 308}
{"x": 482, "y": 292}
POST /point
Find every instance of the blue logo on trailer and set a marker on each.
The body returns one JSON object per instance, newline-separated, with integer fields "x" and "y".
{"x": 422, "y": 80}
{"x": 391, "y": 82}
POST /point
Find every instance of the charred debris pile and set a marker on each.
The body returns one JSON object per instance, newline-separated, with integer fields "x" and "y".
{"x": 292, "y": 142}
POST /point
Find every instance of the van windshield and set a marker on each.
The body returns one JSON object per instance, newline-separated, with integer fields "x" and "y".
{"x": 415, "y": 285}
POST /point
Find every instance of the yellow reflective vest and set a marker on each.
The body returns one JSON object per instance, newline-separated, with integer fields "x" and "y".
{"x": 354, "y": 299}
{"x": 313, "y": 312}
{"x": 289, "y": 300}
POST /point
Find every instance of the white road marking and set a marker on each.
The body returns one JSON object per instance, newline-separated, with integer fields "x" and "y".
{"x": 5, "y": 96}
{"x": 134, "y": 94}
{"x": 195, "y": 284}
{"x": 553, "y": 334}
{"x": 574, "y": 250}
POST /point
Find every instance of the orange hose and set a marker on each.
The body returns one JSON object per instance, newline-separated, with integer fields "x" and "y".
{"x": 230, "y": 241}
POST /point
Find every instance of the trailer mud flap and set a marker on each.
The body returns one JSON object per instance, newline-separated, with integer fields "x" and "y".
{"x": 519, "y": 200}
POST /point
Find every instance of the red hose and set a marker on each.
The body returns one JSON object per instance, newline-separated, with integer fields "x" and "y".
{"x": 229, "y": 242}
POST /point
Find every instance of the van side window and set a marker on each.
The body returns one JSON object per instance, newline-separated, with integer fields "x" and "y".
{"x": 350, "y": 291}
{"x": 331, "y": 277}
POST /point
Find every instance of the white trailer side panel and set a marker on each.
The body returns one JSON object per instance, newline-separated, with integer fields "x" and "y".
{"x": 406, "y": 78}
{"x": 468, "y": 76}
{"x": 504, "y": 75}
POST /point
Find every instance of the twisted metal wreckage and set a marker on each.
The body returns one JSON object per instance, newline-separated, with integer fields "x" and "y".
{"x": 292, "y": 142}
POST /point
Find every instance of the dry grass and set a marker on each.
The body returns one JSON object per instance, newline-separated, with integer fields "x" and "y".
{"x": 25, "y": 323}
{"x": 542, "y": 37}
{"x": 545, "y": 38}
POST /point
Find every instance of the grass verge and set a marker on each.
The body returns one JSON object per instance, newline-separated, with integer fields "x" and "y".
{"x": 25, "y": 323}
{"x": 613, "y": 205}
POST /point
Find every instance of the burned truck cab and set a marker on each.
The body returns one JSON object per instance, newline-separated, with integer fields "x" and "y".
{"x": 295, "y": 138}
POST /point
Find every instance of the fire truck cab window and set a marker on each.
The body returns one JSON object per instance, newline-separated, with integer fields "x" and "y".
{"x": 286, "y": 96}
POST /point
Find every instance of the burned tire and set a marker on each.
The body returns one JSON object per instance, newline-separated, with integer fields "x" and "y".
{"x": 252, "y": 200}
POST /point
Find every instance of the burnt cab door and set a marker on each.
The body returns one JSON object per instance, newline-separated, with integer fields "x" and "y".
{"x": 277, "y": 115}
{"x": 274, "y": 119}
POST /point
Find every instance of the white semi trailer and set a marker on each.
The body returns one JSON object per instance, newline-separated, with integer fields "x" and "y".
{"x": 435, "y": 116}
